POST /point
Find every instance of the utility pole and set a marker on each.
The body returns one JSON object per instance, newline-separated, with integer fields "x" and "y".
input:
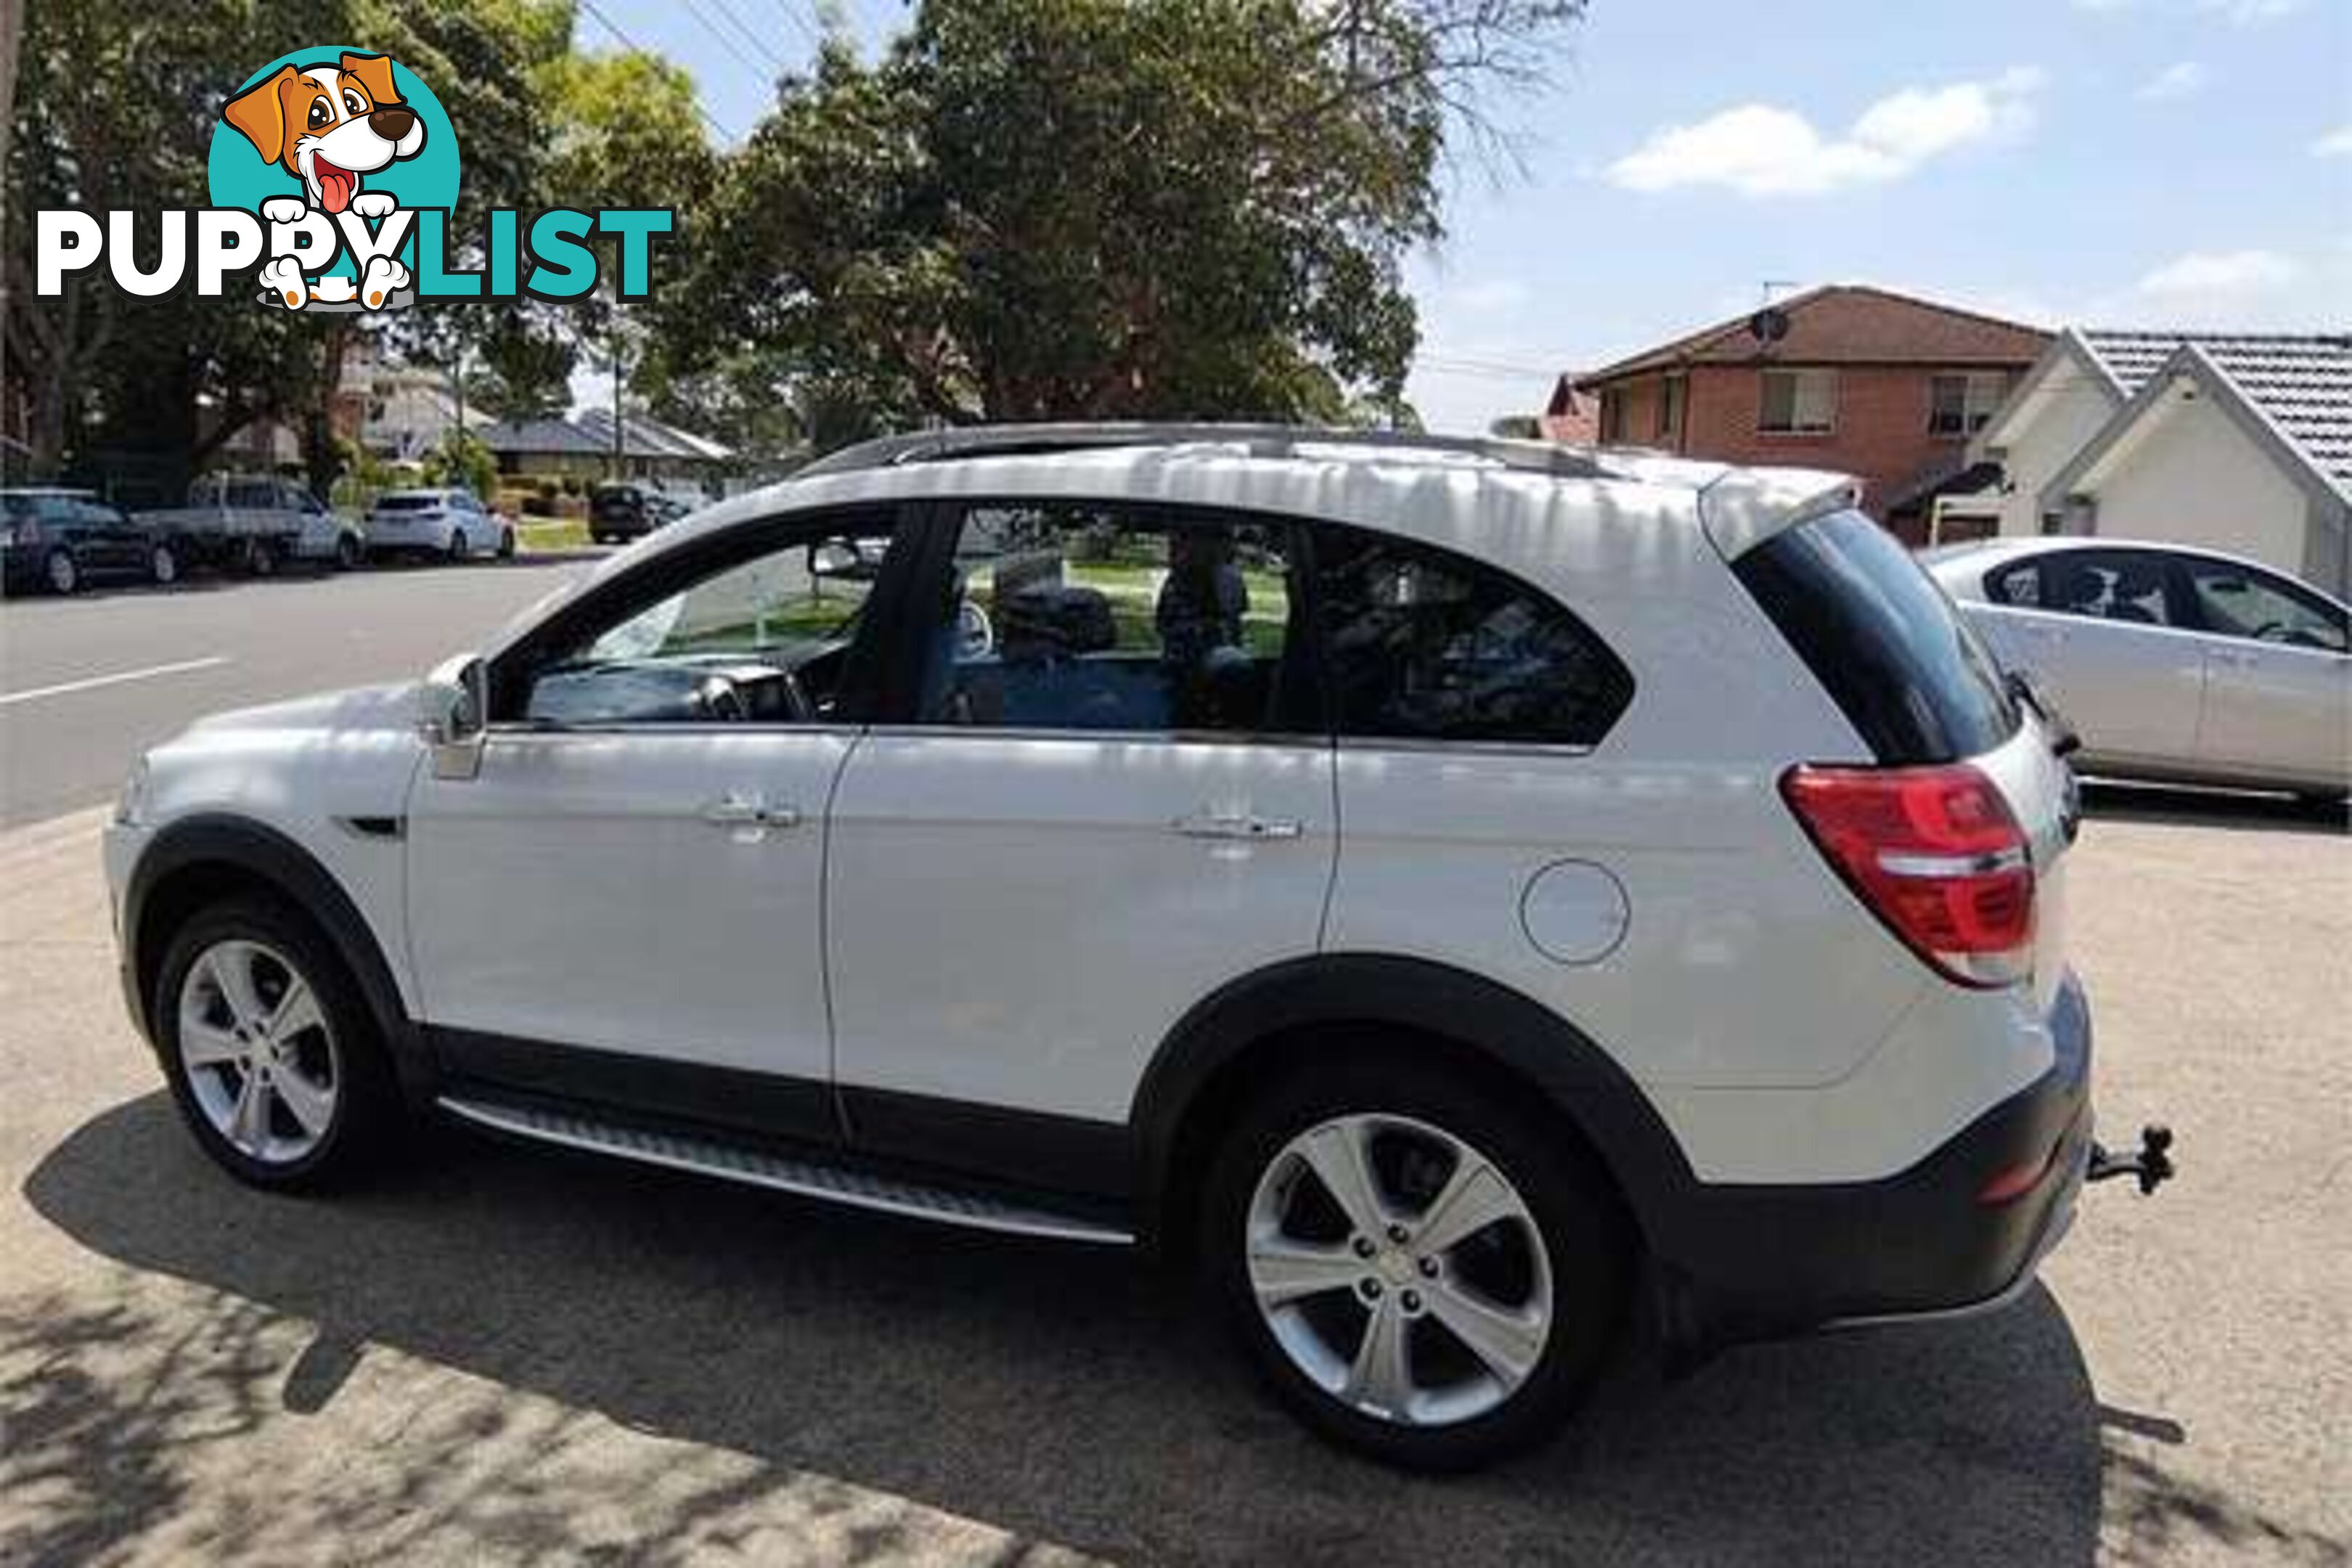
{"x": 615, "y": 346}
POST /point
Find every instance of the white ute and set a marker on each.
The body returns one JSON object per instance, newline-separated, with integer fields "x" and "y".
{"x": 1455, "y": 894}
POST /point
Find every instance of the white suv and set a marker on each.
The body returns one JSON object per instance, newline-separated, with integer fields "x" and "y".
{"x": 1457, "y": 894}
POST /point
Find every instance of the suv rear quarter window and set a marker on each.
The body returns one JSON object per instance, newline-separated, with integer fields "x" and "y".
{"x": 1420, "y": 644}
{"x": 1882, "y": 639}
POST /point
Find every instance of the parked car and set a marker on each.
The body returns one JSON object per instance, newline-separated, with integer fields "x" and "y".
{"x": 1463, "y": 896}
{"x": 59, "y": 540}
{"x": 620, "y": 512}
{"x": 447, "y": 524}
{"x": 253, "y": 523}
{"x": 2174, "y": 664}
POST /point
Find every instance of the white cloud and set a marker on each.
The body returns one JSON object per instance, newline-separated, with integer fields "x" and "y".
{"x": 2248, "y": 290}
{"x": 2246, "y": 12}
{"x": 2336, "y": 143}
{"x": 1763, "y": 150}
{"x": 2201, "y": 272}
{"x": 2185, "y": 78}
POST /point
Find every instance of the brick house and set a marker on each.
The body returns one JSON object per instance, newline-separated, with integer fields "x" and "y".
{"x": 1874, "y": 384}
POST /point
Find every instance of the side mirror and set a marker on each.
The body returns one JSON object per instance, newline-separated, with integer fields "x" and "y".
{"x": 449, "y": 717}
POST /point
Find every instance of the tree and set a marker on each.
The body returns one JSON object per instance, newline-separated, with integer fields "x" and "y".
{"x": 1102, "y": 209}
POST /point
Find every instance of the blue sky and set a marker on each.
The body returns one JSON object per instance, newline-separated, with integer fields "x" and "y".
{"x": 2117, "y": 163}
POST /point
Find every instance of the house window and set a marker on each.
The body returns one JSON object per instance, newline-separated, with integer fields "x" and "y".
{"x": 1798, "y": 403}
{"x": 1961, "y": 403}
{"x": 1670, "y": 407}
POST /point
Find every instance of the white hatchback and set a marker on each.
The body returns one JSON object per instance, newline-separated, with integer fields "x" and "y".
{"x": 447, "y": 524}
{"x": 1460, "y": 895}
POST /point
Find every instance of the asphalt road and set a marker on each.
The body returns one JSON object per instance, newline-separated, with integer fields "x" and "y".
{"x": 85, "y": 682}
{"x": 510, "y": 1355}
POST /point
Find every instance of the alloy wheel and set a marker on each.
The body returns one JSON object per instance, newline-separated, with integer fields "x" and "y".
{"x": 1399, "y": 1270}
{"x": 162, "y": 565}
{"x": 64, "y": 571}
{"x": 262, "y": 1062}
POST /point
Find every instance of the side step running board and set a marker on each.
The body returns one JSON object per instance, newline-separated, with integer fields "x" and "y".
{"x": 807, "y": 1177}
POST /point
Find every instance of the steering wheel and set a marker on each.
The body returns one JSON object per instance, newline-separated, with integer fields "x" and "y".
{"x": 2273, "y": 631}
{"x": 720, "y": 700}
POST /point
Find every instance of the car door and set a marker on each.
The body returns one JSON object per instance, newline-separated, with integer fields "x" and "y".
{"x": 2103, "y": 628}
{"x": 1107, "y": 794}
{"x": 114, "y": 541}
{"x": 2278, "y": 675}
{"x": 624, "y": 901}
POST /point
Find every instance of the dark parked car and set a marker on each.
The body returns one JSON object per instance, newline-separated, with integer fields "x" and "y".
{"x": 60, "y": 539}
{"x": 620, "y": 512}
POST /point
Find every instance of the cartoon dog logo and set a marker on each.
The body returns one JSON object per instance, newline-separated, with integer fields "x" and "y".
{"x": 330, "y": 126}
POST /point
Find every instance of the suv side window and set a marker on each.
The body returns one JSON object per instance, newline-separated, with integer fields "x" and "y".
{"x": 2235, "y": 601}
{"x": 1106, "y": 616}
{"x": 762, "y": 640}
{"x": 2110, "y": 586}
{"x": 1424, "y": 644}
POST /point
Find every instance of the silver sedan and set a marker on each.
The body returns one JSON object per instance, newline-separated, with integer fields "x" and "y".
{"x": 2173, "y": 664}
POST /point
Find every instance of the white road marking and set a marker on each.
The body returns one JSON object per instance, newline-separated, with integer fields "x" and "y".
{"x": 61, "y": 689}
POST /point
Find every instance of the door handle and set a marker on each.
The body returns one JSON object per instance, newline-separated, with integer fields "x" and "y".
{"x": 1237, "y": 824}
{"x": 739, "y": 809}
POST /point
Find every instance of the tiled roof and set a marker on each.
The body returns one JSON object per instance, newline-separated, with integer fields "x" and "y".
{"x": 536, "y": 436}
{"x": 644, "y": 437}
{"x": 2302, "y": 381}
{"x": 1848, "y": 324}
{"x": 591, "y": 434}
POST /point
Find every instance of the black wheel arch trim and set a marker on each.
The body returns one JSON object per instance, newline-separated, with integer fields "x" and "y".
{"x": 270, "y": 856}
{"x": 1519, "y": 1035}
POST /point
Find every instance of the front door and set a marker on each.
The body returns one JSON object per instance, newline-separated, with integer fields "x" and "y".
{"x": 1115, "y": 796}
{"x": 2107, "y": 635}
{"x": 626, "y": 900}
{"x": 2278, "y": 676}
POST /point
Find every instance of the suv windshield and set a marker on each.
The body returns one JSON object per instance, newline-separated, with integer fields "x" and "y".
{"x": 1882, "y": 639}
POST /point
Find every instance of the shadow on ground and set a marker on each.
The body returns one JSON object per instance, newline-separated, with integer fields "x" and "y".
{"x": 2238, "y": 810}
{"x": 1063, "y": 1394}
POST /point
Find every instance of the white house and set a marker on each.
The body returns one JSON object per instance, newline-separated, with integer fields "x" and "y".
{"x": 2237, "y": 442}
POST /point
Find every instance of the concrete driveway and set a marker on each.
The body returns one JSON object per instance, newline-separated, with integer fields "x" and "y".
{"x": 516, "y": 1356}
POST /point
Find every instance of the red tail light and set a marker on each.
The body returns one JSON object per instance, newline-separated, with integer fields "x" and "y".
{"x": 1934, "y": 853}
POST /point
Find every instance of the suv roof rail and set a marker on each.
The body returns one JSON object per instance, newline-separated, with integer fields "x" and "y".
{"x": 1267, "y": 440}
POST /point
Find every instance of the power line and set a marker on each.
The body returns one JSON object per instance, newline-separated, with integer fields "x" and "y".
{"x": 629, "y": 42}
{"x": 814, "y": 34}
{"x": 733, "y": 50}
{"x": 735, "y": 21}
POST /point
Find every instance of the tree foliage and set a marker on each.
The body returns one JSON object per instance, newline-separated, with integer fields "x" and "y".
{"x": 1099, "y": 209}
{"x": 1022, "y": 209}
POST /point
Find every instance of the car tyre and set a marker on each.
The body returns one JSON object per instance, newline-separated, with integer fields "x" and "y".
{"x": 259, "y": 559}
{"x": 506, "y": 544}
{"x": 457, "y": 547}
{"x": 61, "y": 572}
{"x": 162, "y": 565}
{"x": 349, "y": 554}
{"x": 1543, "y": 1284}
{"x": 328, "y": 1107}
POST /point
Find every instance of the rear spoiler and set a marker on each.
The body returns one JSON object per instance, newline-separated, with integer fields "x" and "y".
{"x": 1747, "y": 506}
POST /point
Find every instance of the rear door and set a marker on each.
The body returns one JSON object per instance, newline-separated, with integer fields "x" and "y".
{"x": 2105, "y": 629}
{"x": 1108, "y": 795}
{"x": 2278, "y": 675}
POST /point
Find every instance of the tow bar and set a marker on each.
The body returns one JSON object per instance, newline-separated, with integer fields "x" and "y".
{"x": 2150, "y": 1164}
